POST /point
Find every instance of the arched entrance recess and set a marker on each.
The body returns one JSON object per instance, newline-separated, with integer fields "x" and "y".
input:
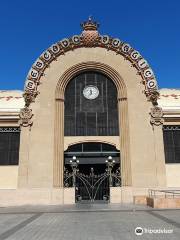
{"x": 58, "y": 164}
{"x": 92, "y": 168}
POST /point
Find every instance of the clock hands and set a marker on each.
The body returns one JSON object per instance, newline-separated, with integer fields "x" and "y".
{"x": 91, "y": 92}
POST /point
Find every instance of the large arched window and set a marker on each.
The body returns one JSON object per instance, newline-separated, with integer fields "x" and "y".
{"x": 91, "y": 106}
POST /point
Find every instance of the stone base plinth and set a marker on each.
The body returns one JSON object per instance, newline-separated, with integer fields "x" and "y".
{"x": 69, "y": 195}
{"x": 122, "y": 194}
{"x": 17, "y": 197}
{"x": 115, "y": 195}
{"x": 161, "y": 202}
{"x": 140, "y": 200}
{"x": 60, "y": 196}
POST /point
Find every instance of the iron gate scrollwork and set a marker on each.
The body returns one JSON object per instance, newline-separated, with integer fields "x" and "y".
{"x": 92, "y": 187}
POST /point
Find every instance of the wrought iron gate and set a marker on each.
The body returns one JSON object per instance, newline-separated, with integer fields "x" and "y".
{"x": 92, "y": 187}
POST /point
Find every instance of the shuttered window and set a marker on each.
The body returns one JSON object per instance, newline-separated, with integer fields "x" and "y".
{"x": 9, "y": 145}
{"x": 172, "y": 143}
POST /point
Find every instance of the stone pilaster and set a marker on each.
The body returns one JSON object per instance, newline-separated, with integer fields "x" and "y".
{"x": 157, "y": 123}
{"x": 124, "y": 143}
{"x": 58, "y": 166}
{"x": 24, "y": 157}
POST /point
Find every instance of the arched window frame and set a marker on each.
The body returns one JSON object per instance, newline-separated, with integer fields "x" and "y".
{"x": 91, "y": 117}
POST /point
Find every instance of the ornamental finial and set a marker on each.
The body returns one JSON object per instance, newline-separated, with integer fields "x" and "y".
{"x": 90, "y": 18}
{"x": 90, "y": 24}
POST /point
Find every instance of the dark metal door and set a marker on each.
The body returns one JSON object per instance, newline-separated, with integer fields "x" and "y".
{"x": 92, "y": 187}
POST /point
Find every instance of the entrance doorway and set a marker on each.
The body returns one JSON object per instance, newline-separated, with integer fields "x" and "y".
{"x": 92, "y": 168}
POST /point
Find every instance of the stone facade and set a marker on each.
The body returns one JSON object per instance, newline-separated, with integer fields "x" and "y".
{"x": 42, "y": 142}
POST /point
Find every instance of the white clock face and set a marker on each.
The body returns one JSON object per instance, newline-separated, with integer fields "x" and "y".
{"x": 90, "y": 92}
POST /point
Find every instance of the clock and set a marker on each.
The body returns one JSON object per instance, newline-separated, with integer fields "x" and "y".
{"x": 91, "y": 92}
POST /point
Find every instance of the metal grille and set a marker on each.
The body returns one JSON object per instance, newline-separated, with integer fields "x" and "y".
{"x": 96, "y": 117}
{"x": 9, "y": 145}
{"x": 9, "y": 129}
{"x": 91, "y": 153}
{"x": 92, "y": 186}
{"x": 171, "y": 136}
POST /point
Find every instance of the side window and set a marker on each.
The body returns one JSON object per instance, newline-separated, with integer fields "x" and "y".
{"x": 171, "y": 136}
{"x": 9, "y": 145}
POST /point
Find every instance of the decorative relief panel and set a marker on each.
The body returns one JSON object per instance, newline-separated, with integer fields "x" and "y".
{"x": 26, "y": 117}
{"x": 156, "y": 116}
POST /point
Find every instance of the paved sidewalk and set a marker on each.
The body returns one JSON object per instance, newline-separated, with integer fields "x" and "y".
{"x": 73, "y": 208}
{"x": 87, "y": 222}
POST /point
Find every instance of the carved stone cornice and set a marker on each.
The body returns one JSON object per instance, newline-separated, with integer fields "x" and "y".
{"x": 90, "y": 37}
{"x": 26, "y": 117}
{"x": 156, "y": 116}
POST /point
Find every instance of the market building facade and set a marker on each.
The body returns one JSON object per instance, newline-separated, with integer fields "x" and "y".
{"x": 91, "y": 125}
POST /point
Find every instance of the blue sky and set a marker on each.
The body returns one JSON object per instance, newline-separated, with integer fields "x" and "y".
{"x": 27, "y": 28}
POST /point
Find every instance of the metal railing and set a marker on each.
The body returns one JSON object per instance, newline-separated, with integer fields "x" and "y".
{"x": 174, "y": 193}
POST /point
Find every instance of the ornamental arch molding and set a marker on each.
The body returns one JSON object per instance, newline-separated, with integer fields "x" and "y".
{"x": 89, "y": 38}
{"x": 58, "y": 164}
{"x": 85, "y": 66}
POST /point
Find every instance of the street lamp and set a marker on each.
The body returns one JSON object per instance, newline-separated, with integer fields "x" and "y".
{"x": 74, "y": 161}
{"x": 110, "y": 164}
{"x": 74, "y": 165}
